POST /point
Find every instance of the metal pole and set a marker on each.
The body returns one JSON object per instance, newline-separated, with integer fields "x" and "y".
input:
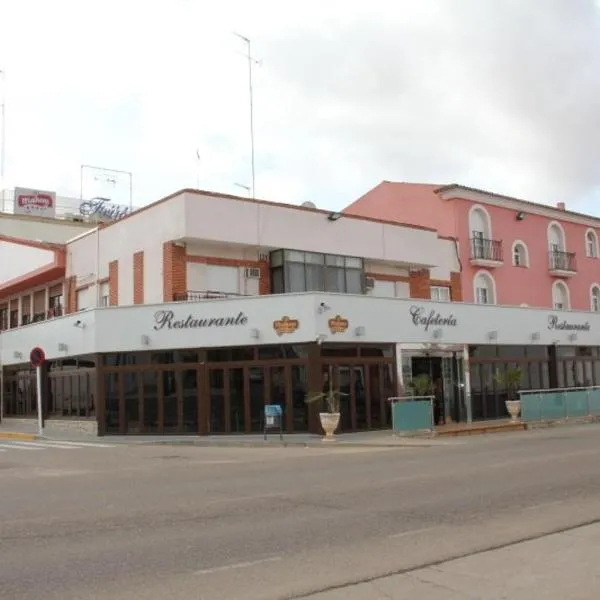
{"x": 38, "y": 373}
{"x": 3, "y": 139}
{"x": 251, "y": 98}
{"x": 98, "y": 266}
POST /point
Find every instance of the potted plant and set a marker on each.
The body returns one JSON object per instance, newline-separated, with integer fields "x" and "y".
{"x": 510, "y": 380}
{"x": 330, "y": 417}
{"x": 421, "y": 385}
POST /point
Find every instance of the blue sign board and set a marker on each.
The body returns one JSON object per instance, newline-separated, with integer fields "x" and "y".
{"x": 273, "y": 418}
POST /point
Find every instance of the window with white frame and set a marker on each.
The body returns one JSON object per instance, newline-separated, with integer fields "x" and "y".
{"x": 440, "y": 293}
{"x": 591, "y": 244}
{"x": 560, "y": 296}
{"x": 520, "y": 257}
{"x": 595, "y": 298}
{"x": 484, "y": 289}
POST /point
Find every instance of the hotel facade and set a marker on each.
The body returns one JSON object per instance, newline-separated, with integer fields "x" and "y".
{"x": 191, "y": 314}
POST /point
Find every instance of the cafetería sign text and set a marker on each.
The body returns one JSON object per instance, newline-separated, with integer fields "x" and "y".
{"x": 103, "y": 208}
{"x": 558, "y": 324}
{"x": 422, "y": 318}
{"x": 165, "y": 319}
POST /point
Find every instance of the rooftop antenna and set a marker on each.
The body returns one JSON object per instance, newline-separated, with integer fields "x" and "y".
{"x": 251, "y": 61}
{"x": 244, "y": 187}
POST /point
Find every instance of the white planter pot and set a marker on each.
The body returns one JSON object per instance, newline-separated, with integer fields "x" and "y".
{"x": 514, "y": 409}
{"x": 329, "y": 423}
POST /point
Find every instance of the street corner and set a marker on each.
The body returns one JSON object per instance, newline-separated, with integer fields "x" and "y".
{"x": 17, "y": 435}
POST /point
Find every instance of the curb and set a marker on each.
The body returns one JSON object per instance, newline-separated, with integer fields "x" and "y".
{"x": 13, "y": 435}
{"x": 283, "y": 444}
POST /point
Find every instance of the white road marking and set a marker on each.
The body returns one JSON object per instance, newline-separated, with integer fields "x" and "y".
{"x": 412, "y": 532}
{"x": 544, "y": 505}
{"x": 80, "y": 444}
{"x": 40, "y": 445}
{"x": 241, "y": 565}
{"x": 13, "y": 447}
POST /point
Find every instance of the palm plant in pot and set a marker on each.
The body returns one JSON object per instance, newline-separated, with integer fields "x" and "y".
{"x": 510, "y": 380}
{"x": 330, "y": 401}
{"x": 421, "y": 385}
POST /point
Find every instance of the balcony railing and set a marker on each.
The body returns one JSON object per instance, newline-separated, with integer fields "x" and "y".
{"x": 12, "y": 321}
{"x": 484, "y": 249}
{"x": 196, "y": 296}
{"x": 562, "y": 261}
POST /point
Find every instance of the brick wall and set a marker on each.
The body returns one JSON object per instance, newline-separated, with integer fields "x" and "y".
{"x": 71, "y": 295}
{"x": 420, "y": 284}
{"x": 456, "y": 287}
{"x": 113, "y": 282}
{"x": 138, "y": 278}
{"x": 174, "y": 271}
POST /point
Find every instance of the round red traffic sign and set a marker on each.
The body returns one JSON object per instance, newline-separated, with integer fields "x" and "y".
{"x": 37, "y": 357}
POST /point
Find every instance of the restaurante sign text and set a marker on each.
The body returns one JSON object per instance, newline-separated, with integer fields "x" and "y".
{"x": 165, "y": 319}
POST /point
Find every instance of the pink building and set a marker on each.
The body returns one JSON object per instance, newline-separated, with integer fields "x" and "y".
{"x": 511, "y": 251}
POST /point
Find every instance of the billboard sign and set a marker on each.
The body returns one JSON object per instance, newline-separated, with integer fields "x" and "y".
{"x": 36, "y": 203}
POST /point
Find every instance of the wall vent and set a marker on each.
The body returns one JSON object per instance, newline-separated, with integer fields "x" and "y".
{"x": 252, "y": 273}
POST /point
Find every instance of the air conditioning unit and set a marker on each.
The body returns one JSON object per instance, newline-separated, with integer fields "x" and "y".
{"x": 252, "y": 273}
{"x": 369, "y": 283}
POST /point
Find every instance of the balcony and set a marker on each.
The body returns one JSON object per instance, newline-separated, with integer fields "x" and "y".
{"x": 197, "y": 296}
{"x": 486, "y": 253}
{"x": 562, "y": 264}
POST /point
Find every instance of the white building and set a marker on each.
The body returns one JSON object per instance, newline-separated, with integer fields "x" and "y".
{"x": 193, "y": 313}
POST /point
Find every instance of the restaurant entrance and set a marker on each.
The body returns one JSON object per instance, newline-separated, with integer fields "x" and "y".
{"x": 224, "y": 391}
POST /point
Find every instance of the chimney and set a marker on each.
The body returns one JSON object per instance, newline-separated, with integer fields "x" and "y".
{"x": 561, "y": 206}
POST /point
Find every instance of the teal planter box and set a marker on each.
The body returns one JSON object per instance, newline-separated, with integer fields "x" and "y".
{"x": 412, "y": 415}
{"x": 556, "y": 405}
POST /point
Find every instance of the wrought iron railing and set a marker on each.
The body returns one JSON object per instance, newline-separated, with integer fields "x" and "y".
{"x": 196, "y": 296}
{"x": 561, "y": 261}
{"x": 484, "y": 249}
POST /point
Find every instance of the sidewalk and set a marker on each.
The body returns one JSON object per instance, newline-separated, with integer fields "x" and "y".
{"x": 561, "y": 566}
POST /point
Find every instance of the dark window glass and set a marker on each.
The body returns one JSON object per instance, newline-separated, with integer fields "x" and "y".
{"x": 236, "y": 400}
{"x": 216, "y": 381}
{"x": 111, "y": 390}
{"x": 536, "y": 352}
{"x": 218, "y": 354}
{"x": 270, "y": 352}
{"x": 242, "y": 353}
{"x": 483, "y": 351}
{"x": 299, "y": 389}
{"x": 511, "y": 351}
{"x": 336, "y": 280}
{"x": 276, "y": 258}
{"x": 295, "y": 278}
{"x": 339, "y": 350}
{"x": 131, "y": 385}
{"x": 190, "y": 400}
{"x": 123, "y": 359}
{"x": 257, "y": 398}
{"x": 171, "y": 383}
{"x": 150, "y": 390}
{"x": 354, "y": 281}
{"x": 277, "y": 284}
{"x": 386, "y": 351}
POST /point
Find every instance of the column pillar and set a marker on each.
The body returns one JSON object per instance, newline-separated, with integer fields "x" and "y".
{"x": 399, "y": 372}
{"x": 467, "y": 383}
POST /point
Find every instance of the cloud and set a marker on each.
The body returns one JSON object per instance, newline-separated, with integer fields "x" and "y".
{"x": 498, "y": 95}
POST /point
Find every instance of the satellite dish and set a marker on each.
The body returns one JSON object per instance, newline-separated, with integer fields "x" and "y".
{"x": 309, "y": 204}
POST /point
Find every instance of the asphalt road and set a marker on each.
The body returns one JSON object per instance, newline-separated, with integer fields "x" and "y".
{"x": 152, "y": 522}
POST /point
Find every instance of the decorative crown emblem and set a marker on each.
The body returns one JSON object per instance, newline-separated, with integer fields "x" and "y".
{"x": 338, "y": 324}
{"x": 285, "y": 325}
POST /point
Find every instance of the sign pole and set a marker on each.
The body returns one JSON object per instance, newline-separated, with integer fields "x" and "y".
{"x": 38, "y": 358}
{"x": 38, "y": 373}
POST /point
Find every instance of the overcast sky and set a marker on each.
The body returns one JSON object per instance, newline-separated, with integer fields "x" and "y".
{"x": 498, "y": 94}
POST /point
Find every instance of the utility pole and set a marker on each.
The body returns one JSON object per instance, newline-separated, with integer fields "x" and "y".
{"x": 251, "y": 61}
{"x": 3, "y": 139}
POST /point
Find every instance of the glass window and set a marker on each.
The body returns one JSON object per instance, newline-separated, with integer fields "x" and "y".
{"x": 595, "y": 304}
{"x": 354, "y": 263}
{"x": 277, "y": 285}
{"x": 311, "y": 258}
{"x": 294, "y": 278}
{"x": 440, "y": 293}
{"x": 336, "y": 280}
{"x": 335, "y": 261}
{"x": 315, "y": 278}
{"x": 354, "y": 281}
{"x": 276, "y": 258}
{"x": 294, "y": 256}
